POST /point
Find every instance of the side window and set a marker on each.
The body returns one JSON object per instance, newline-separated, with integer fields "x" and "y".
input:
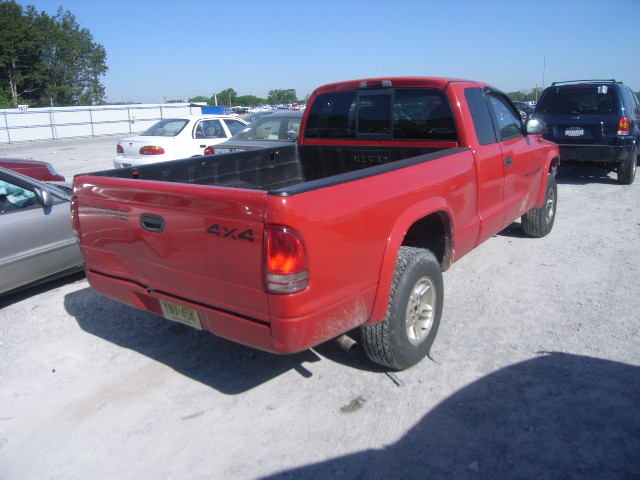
{"x": 508, "y": 121}
{"x": 14, "y": 197}
{"x": 210, "y": 129}
{"x": 481, "y": 116}
{"x": 235, "y": 126}
{"x": 633, "y": 101}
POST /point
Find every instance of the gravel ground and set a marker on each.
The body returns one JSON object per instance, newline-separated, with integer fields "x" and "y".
{"x": 535, "y": 372}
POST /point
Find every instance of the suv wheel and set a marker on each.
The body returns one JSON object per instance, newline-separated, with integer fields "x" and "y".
{"x": 627, "y": 168}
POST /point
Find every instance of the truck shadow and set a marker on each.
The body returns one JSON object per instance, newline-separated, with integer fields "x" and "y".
{"x": 554, "y": 416}
{"x": 226, "y": 366}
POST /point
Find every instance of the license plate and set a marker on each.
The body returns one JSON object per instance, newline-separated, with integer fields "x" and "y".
{"x": 181, "y": 314}
{"x": 574, "y": 132}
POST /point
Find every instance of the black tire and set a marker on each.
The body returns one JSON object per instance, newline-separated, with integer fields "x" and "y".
{"x": 406, "y": 334}
{"x": 627, "y": 168}
{"x": 538, "y": 222}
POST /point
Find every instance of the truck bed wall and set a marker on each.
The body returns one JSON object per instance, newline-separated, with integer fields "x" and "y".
{"x": 276, "y": 171}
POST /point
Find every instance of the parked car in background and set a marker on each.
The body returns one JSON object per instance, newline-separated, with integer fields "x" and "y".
{"x": 252, "y": 117}
{"x": 42, "y": 171}
{"x": 594, "y": 122}
{"x": 38, "y": 242}
{"x": 280, "y": 128}
{"x": 525, "y": 109}
{"x": 174, "y": 138}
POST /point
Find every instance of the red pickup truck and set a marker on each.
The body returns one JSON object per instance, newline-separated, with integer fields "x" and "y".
{"x": 391, "y": 181}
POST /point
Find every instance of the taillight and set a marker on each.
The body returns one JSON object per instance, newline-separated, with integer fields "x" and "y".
{"x": 286, "y": 261}
{"x": 151, "y": 150}
{"x": 119, "y": 149}
{"x": 624, "y": 127}
{"x": 209, "y": 151}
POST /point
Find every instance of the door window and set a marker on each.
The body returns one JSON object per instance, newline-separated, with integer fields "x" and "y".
{"x": 508, "y": 120}
{"x": 14, "y": 197}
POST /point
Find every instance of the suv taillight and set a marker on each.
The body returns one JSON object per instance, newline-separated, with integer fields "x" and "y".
{"x": 624, "y": 127}
{"x": 119, "y": 149}
{"x": 150, "y": 150}
{"x": 209, "y": 151}
{"x": 286, "y": 261}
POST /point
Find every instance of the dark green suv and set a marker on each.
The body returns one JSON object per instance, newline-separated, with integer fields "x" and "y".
{"x": 593, "y": 122}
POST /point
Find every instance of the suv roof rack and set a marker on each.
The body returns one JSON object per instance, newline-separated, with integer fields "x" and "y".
{"x": 582, "y": 81}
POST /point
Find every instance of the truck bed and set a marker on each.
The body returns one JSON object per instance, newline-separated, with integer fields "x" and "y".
{"x": 285, "y": 171}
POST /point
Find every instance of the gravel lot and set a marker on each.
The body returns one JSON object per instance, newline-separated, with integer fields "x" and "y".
{"x": 535, "y": 372}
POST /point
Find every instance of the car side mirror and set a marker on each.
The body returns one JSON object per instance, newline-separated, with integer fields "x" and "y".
{"x": 535, "y": 127}
{"x": 44, "y": 197}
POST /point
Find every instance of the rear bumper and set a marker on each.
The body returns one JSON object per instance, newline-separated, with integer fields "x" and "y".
{"x": 597, "y": 154}
{"x": 281, "y": 335}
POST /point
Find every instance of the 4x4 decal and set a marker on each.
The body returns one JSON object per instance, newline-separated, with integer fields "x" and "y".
{"x": 225, "y": 232}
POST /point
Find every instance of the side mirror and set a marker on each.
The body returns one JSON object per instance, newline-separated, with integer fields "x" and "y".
{"x": 44, "y": 197}
{"x": 535, "y": 127}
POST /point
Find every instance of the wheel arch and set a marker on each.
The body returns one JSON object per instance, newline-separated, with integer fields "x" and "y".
{"x": 551, "y": 167}
{"x": 432, "y": 231}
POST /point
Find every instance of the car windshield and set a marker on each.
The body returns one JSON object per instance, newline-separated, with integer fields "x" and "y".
{"x": 579, "y": 99}
{"x": 284, "y": 129}
{"x": 166, "y": 128}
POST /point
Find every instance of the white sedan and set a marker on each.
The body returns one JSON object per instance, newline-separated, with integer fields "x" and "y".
{"x": 174, "y": 138}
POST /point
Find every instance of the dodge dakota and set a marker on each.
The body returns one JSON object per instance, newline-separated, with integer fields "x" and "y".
{"x": 390, "y": 182}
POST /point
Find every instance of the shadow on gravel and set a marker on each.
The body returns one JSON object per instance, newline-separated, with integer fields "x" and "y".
{"x": 583, "y": 175}
{"x": 18, "y": 296}
{"x": 555, "y": 416}
{"x": 226, "y": 366}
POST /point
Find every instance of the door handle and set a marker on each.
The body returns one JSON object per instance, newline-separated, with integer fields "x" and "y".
{"x": 152, "y": 223}
{"x": 508, "y": 161}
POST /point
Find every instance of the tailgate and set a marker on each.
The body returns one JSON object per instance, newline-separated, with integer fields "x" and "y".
{"x": 192, "y": 242}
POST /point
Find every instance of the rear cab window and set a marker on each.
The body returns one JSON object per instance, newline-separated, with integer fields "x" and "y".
{"x": 420, "y": 114}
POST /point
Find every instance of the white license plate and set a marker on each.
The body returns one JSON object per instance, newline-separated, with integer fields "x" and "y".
{"x": 181, "y": 314}
{"x": 574, "y": 132}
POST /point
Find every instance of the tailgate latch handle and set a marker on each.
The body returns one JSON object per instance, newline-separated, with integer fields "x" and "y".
{"x": 152, "y": 223}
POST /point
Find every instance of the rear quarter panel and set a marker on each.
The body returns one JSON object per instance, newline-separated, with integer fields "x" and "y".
{"x": 352, "y": 232}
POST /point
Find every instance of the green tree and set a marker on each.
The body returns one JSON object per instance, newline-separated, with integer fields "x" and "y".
{"x": 277, "y": 97}
{"x": 249, "y": 100}
{"x": 46, "y": 59}
{"x": 225, "y": 97}
{"x": 199, "y": 98}
{"x": 19, "y": 51}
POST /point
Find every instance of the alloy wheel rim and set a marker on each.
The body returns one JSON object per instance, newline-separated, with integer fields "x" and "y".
{"x": 550, "y": 206}
{"x": 420, "y": 311}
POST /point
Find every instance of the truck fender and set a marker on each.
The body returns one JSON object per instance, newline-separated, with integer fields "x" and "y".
{"x": 435, "y": 205}
{"x": 551, "y": 165}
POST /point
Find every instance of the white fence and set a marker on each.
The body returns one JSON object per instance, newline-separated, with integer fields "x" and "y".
{"x": 37, "y": 124}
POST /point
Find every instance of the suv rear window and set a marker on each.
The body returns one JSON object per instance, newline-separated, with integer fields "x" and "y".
{"x": 396, "y": 114}
{"x": 579, "y": 99}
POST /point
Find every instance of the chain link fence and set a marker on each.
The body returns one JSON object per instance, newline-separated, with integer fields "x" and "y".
{"x": 56, "y": 123}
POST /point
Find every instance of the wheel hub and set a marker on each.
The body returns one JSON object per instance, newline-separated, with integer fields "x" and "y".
{"x": 420, "y": 311}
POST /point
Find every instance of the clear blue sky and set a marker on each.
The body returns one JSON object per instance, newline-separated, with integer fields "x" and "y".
{"x": 179, "y": 49}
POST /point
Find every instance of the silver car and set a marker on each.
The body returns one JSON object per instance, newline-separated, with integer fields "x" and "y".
{"x": 37, "y": 241}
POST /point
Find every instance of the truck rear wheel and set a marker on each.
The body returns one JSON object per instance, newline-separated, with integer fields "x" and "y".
{"x": 406, "y": 334}
{"x": 538, "y": 222}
